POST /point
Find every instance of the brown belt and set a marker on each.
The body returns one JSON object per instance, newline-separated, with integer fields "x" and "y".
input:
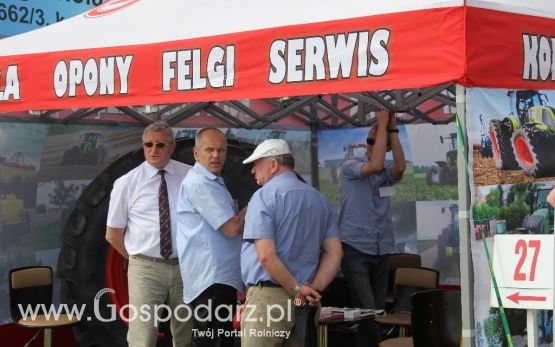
{"x": 171, "y": 261}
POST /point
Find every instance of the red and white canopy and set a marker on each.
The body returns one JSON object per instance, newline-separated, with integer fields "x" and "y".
{"x": 131, "y": 52}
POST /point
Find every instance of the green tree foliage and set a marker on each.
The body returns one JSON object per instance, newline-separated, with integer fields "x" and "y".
{"x": 514, "y": 214}
{"x": 493, "y": 329}
{"x": 492, "y": 199}
{"x": 483, "y": 212}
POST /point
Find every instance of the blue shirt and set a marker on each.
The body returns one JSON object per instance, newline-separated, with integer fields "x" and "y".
{"x": 297, "y": 217}
{"x": 206, "y": 255}
{"x": 365, "y": 217}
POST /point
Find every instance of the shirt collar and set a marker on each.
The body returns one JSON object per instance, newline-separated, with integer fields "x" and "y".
{"x": 283, "y": 176}
{"x": 152, "y": 171}
{"x": 203, "y": 171}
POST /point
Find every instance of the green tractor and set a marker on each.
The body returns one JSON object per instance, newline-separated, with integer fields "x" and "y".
{"x": 448, "y": 241}
{"x": 524, "y": 139}
{"x": 446, "y": 171}
{"x": 540, "y": 218}
{"x": 91, "y": 151}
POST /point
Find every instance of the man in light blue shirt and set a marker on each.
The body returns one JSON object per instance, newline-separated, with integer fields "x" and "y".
{"x": 291, "y": 248}
{"x": 209, "y": 242}
{"x": 365, "y": 219}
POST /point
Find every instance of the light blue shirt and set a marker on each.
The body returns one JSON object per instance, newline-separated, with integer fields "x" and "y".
{"x": 297, "y": 217}
{"x": 206, "y": 255}
{"x": 365, "y": 217}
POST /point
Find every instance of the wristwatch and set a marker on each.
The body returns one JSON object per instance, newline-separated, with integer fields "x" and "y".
{"x": 392, "y": 130}
{"x": 297, "y": 288}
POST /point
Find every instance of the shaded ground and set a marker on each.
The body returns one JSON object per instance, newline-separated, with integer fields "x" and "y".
{"x": 486, "y": 174}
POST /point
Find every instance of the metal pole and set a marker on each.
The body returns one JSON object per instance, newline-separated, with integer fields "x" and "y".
{"x": 532, "y": 327}
{"x": 466, "y": 268}
{"x": 314, "y": 156}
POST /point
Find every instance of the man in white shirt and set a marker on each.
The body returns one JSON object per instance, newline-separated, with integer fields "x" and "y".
{"x": 142, "y": 227}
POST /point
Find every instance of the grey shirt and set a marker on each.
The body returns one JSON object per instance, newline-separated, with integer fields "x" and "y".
{"x": 365, "y": 217}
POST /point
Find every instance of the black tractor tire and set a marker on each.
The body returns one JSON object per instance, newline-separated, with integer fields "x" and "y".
{"x": 83, "y": 256}
{"x": 447, "y": 175}
{"x": 71, "y": 156}
{"x": 500, "y": 133}
{"x": 534, "y": 150}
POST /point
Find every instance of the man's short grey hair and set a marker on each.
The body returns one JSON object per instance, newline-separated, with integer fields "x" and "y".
{"x": 198, "y": 136}
{"x": 286, "y": 160}
{"x": 159, "y": 126}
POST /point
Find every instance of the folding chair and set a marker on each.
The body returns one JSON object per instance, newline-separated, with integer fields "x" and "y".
{"x": 31, "y": 287}
{"x": 407, "y": 282}
{"x": 396, "y": 261}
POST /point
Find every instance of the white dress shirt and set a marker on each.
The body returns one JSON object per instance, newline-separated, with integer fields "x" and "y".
{"x": 134, "y": 205}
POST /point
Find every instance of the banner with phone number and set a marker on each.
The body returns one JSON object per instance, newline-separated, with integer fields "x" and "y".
{"x": 19, "y": 16}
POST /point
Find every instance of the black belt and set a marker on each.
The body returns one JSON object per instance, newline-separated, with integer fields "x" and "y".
{"x": 268, "y": 284}
{"x": 171, "y": 261}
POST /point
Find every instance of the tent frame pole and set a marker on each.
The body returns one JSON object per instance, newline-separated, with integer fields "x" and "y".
{"x": 466, "y": 268}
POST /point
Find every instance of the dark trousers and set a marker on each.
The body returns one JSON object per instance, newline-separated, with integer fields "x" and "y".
{"x": 366, "y": 277}
{"x": 210, "y": 299}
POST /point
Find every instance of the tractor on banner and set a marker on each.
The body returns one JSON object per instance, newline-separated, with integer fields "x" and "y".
{"x": 91, "y": 151}
{"x": 446, "y": 171}
{"x": 448, "y": 240}
{"x": 540, "y": 218}
{"x": 485, "y": 141}
{"x": 524, "y": 140}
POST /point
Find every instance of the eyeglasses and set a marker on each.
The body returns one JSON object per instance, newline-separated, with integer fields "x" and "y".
{"x": 372, "y": 141}
{"x": 157, "y": 144}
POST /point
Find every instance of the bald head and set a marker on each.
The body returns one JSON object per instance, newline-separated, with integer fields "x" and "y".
{"x": 211, "y": 150}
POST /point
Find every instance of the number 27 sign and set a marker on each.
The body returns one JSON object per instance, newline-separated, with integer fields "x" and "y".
{"x": 524, "y": 268}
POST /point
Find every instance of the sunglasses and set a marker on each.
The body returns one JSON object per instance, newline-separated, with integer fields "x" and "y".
{"x": 372, "y": 141}
{"x": 157, "y": 144}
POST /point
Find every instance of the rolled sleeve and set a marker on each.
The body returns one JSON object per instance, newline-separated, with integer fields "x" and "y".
{"x": 389, "y": 178}
{"x": 119, "y": 205}
{"x": 210, "y": 203}
{"x": 352, "y": 169}
{"x": 259, "y": 219}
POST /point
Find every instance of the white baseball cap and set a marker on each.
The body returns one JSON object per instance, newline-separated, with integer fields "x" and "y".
{"x": 268, "y": 148}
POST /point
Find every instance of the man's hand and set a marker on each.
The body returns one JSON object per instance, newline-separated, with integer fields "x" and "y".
{"x": 307, "y": 294}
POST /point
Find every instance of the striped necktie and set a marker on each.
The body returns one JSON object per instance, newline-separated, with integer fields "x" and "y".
{"x": 165, "y": 223}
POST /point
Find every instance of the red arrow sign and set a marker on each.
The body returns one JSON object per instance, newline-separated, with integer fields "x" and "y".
{"x": 516, "y": 297}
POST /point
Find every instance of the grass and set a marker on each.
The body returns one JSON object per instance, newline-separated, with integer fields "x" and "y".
{"x": 411, "y": 188}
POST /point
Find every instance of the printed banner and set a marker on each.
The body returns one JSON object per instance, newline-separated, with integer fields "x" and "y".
{"x": 510, "y": 134}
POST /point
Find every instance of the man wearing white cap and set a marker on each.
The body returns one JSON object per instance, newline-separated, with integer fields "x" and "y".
{"x": 291, "y": 249}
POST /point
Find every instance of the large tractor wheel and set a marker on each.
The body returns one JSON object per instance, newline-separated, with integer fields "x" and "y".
{"x": 89, "y": 267}
{"x": 447, "y": 176}
{"x": 534, "y": 150}
{"x": 500, "y": 133}
{"x": 71, "y": 156}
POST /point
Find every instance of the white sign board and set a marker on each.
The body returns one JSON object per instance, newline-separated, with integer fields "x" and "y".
{"x": 523, "y": 266}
